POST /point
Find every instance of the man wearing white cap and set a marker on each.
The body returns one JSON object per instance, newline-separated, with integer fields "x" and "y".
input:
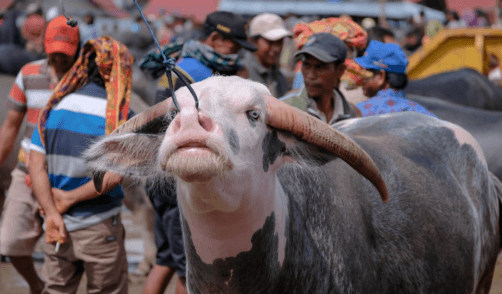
{"x": 267, "y": 32}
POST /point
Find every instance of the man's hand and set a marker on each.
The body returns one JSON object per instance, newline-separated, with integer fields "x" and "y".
{"x": 55, "y": 230}
{"x": 62, "y": 200}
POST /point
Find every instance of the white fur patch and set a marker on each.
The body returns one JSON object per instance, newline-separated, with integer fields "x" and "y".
{"x": 464, "y": 137}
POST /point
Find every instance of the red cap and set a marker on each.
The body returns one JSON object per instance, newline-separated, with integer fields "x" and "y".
{"x": 60, "y": 37}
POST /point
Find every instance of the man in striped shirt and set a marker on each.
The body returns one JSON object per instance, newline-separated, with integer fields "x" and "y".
{"x": 21, "y": 225}
{"x": 93, "y": 226}
{"x": 84, "y": 222}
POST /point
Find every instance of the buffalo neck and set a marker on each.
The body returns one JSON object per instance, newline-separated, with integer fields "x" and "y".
{"x": 218, "y": 234}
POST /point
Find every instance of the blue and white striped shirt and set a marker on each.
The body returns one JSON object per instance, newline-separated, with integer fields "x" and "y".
{"x": 76, "y": 121}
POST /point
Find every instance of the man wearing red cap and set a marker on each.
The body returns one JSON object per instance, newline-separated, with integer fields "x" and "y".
{"x": 22, "y": 225}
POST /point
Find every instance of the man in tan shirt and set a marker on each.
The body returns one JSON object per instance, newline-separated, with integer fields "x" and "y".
{"x": 323, "y": 57}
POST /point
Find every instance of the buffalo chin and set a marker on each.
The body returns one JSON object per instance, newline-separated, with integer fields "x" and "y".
{"x": 197, "y": 166}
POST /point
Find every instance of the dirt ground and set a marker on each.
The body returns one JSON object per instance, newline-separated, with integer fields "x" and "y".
{"x": 12, "y": 283}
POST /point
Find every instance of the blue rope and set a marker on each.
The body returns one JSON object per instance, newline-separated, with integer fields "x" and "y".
{"x": 170, "y": 66}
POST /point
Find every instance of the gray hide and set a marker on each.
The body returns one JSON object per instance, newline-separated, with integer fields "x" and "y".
{"x": 438, "y": 233}
{"x": 484, "y": 125}
{"x": 465, "y": 86}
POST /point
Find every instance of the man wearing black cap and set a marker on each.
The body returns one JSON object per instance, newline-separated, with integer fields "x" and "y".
{"x": 224, "y": 35}
{"x": 323, "y": 57}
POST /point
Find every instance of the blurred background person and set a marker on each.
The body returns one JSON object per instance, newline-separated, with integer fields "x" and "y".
{"x": 453, "y": 20}
{"x": 494, "y": 72}
{"x": 419, "y": 21}
{"x": 22, "y": 225}
{"x": 166, "y": 30}
{"x": 9, "y": 31}
{"x": 87, "y": 28}
{"x": 29, "y": 48}
{"x": 412, "y": 41}
{"x": 381, "y": 34}
{"x": 387, "y": 63}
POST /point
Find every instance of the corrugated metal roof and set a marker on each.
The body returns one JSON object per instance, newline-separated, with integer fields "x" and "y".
{"x": 394, "y": 10}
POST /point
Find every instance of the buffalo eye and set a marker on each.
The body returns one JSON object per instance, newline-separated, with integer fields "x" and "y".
{"x": 253, "y": 114}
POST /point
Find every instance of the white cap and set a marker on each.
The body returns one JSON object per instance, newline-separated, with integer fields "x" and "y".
{"x": 51, "y": 13}
{"x": 368, "y": 23}
{"x": 269, "y": 26}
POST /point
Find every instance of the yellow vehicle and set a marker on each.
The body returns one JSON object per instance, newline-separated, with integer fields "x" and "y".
{"x": 452, "y": 49}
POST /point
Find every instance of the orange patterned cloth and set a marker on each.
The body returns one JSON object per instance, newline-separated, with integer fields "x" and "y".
{"x": 348, "y": 31}
{"x": 115, "y": 67}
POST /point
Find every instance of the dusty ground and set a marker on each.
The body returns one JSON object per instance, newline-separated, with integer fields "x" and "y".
{"x": 12, "y": 283}
{"x": 497, "y": 278}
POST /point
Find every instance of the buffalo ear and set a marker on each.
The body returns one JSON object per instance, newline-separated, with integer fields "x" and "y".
{"x": 128, "y": 154}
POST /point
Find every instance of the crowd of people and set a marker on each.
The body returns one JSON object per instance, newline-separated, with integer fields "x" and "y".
{"x": 74, "y": 84}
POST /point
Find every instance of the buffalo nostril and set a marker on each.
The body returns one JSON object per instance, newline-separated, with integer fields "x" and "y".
{"x": 175, "y": 125}
{"x": 205, "y": 121}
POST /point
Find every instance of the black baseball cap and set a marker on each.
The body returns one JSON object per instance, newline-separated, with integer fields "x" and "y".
{"x": 229, "y": 25}
{"x": 325, "y": 47}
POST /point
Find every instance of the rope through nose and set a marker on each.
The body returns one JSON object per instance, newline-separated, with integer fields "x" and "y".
{"x": 170, "y": 66}
{"x": 71, "y": 22}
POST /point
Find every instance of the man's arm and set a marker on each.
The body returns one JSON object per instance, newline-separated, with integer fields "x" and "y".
{"x": 66, "y": 199}
{"x": 8, "y": 133}
{"x": 55, "y": 230}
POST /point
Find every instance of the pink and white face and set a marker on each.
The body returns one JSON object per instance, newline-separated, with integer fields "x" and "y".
{"x": 224, "y": 147}
{"x": 220, "y": 137}
{"x": 225, "y": 141}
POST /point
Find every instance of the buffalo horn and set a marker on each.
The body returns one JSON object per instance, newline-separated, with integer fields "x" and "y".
{"x": 312, "y": 130}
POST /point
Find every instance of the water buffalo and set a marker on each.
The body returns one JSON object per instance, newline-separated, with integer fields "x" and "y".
{"x": 465, "y": 86}
{"x": 484, "y": 125}
{"x": 273, "y": 200}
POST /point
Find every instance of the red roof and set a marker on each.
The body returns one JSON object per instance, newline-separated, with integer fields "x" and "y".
{"x": 196, "y": 8}
{"x": 110, "y": 8}
{"x": 460, "y": 6}
{"x": 5, "y": 3}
